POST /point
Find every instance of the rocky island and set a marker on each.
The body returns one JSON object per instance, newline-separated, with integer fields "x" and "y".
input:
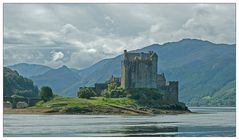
{"x": 139, "y": 90}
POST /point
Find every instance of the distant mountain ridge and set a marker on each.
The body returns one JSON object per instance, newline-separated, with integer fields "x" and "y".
{"x": 29, "y": 70}
{"x": 201, "y": 67}
{"x": 59, "y": 79}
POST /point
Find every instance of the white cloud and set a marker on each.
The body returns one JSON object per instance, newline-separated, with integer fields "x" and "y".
{"x": 69, "y": 28}
{"x": 56, "y": 56}
{"x": 92, "y": 50}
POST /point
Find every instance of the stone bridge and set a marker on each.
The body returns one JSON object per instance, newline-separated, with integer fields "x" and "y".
{"x": 15, "y": 100}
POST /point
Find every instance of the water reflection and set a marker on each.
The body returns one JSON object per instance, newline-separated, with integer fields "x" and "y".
{"x": 153, "y": 131}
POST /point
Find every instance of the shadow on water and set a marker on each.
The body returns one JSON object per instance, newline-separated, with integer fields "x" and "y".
{"x": 150, "y": 131}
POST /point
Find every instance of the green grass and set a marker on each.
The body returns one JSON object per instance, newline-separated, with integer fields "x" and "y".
{"x": 80, "y": 102}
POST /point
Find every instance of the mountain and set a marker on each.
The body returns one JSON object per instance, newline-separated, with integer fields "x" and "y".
{"x": 58, "y": 79}
{"x": 226, "y": 95}
{"x": 15, "y": 84}
{"x": 29, "y": 70}
{"x": 201, "y": 67}
{"x": 206, "y": 71}
{"x": 101, "y": 71}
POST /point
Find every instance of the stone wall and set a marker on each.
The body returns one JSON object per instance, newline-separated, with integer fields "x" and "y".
{"x": 161, "y": 80}
{"x": 170, "y": 93}
{"x": 173, "y": 91}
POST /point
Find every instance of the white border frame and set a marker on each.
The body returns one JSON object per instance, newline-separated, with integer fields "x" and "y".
{"x": 117, "y": 1}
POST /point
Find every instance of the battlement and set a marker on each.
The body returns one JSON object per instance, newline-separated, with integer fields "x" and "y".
{"x": 140, "y": 56}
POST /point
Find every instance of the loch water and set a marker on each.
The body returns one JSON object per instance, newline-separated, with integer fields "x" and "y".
{"x": 207, "y": 122}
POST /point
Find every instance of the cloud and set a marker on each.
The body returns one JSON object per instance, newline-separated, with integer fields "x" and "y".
{"x": 68, "y": 29}
{"x": 81, "y": 34}
{"x": 92, "y": 50}
{"x": 56, "y": 56}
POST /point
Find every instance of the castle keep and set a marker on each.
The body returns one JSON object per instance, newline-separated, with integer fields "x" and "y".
{"x": 139, "y": 70}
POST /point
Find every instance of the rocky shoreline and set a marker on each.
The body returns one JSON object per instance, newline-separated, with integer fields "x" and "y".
{"x": 96, "y": 110}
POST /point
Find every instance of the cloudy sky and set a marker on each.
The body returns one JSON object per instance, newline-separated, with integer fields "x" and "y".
{"x": 79, "y": 35}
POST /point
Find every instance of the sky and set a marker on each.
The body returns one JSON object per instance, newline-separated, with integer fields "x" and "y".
{"x": 79, "y": 35}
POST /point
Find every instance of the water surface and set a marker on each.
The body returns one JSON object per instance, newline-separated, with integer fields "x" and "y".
{"x": 208, "y": 122}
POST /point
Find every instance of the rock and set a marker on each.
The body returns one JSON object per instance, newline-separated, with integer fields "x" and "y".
{"x": 76, "y": 110}
{"x": 50, "y": 111}
{"x": 22, "y": 105}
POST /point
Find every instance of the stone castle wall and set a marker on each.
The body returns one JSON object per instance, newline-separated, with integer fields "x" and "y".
{"x": 170, "y": 93}
{"x": 139, "y": 70}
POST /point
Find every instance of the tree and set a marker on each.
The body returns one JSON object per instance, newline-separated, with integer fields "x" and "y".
{"x": 15, "y": 84}
{"x": 86, "y": 92}
{"x": 112, "y": 86}
{"x": 46, "y": 93}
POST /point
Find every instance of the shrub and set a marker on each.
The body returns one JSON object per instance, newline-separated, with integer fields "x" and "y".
{"x": 105, "y": 93}
{"x": 86, "y": 92}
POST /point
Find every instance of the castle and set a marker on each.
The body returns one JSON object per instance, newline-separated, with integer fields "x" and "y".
{"x": 139, "y": 70}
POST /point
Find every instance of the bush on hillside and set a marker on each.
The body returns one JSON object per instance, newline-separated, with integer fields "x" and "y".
{"x": 86, "y": 92}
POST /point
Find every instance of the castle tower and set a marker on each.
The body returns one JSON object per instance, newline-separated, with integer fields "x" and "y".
{"x": 161, "y": 80}
{"x": 139, "y": 70}
{"x": 173, "y": 91}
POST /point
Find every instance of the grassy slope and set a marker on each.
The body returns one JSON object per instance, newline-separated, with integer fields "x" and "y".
{"x": 80, "y": 102}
